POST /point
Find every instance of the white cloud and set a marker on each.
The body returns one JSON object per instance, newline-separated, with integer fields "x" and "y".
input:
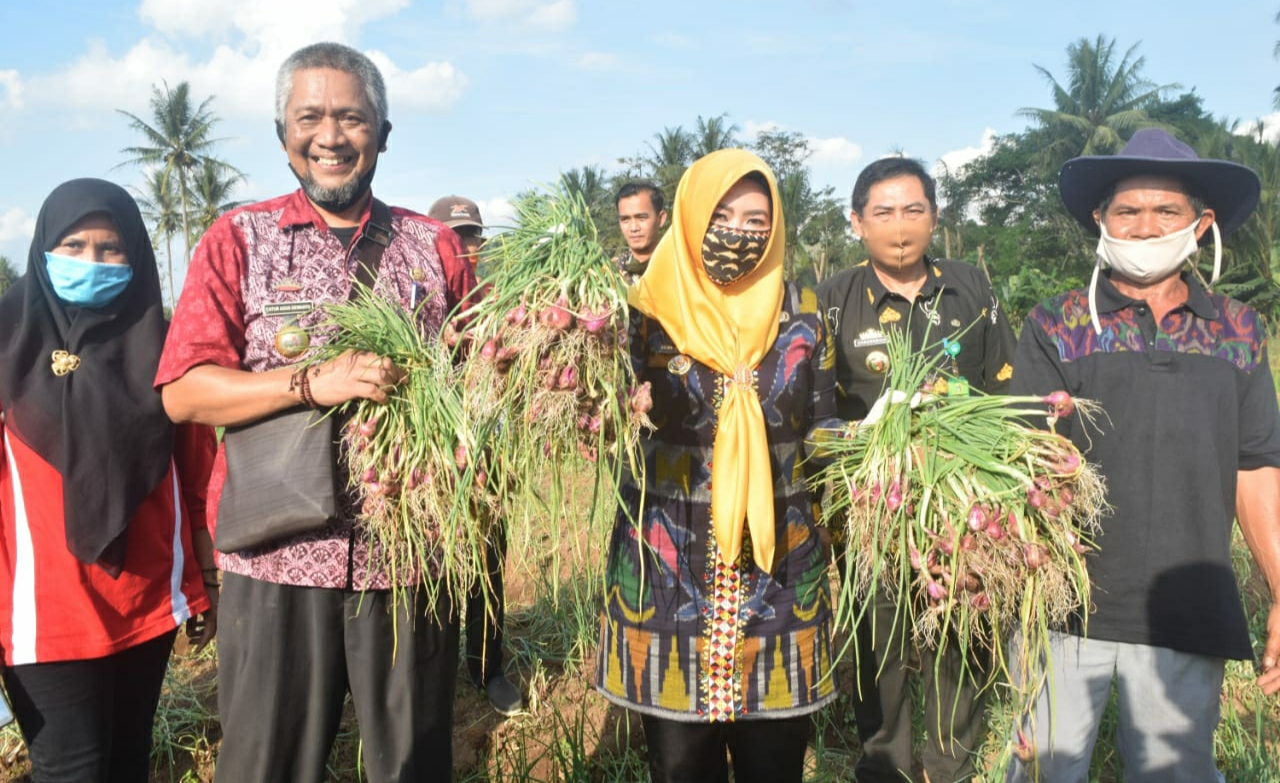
{"x": 498, "y": 212}
{"x": 555, "y": 16}
{"x": 954, "y": 160}
{"x": 824, "y": 153}
{"x": 598, "y": 61}
{"x": 837, "y": 151}
{"x": 1270, "y": 128}
{"x": 10, "y": 90}
{"x": 281, "y": 25}
{"x": 753, "y": 128}
{"x": 675, "y": 41}
{"x": 16, "y": 224}
{"x": 434, "y": 86}
{"x": 241, "y": 75}
{"x": 547, "y": 16}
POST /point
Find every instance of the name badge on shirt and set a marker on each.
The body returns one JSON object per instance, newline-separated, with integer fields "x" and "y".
{"x": 869, "y": 337}
{"x": 288, "y": 308}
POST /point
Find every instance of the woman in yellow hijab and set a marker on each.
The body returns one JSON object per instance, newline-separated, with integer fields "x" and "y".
{"x": 717, "y": 625}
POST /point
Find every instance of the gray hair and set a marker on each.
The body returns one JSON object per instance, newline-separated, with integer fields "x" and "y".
{"x": 339, "y": 58}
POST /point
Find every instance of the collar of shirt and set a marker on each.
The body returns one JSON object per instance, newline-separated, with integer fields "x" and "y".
{"x": 1110, "y": 299}
{"x": 299, "y": 211}
{"x": 935, "y": 280}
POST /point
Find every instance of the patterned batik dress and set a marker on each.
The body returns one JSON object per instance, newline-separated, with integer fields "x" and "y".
{"x": 683, "y": 636}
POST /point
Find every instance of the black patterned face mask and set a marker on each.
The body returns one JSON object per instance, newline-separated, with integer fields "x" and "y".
{"x": 729, "y": 254}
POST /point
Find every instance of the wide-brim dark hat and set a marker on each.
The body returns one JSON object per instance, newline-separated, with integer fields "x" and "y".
{"x": 1230, "y": 189}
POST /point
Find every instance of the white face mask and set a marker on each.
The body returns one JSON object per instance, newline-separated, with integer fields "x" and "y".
{"x": 1148, "y": 260}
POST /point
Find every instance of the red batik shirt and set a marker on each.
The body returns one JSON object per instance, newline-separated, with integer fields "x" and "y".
{"x": 279, "y": 252}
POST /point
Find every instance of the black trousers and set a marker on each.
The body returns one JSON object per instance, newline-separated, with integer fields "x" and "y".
{"x": 882, "y": 705}
{"x": 763, "y": 751}
{"x": 90, "y": 720}
{"x": 287, "y": 657}
{"x": 484, "y": 632}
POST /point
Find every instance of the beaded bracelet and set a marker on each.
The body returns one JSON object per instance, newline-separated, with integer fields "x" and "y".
{"x": 304, "y": 386}
{"x": 301, "y": 383}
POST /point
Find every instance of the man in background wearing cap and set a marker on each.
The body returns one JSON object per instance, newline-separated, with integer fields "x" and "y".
{"x": 1191, "y": 434}
{"x": 484, "y": 628}
{"x": 463, "y": 216}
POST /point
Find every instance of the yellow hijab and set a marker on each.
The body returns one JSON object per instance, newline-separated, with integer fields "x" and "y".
{"x": 729, "y": 329}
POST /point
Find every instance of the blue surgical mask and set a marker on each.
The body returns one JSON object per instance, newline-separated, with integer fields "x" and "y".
{"x": 85, "y": 283}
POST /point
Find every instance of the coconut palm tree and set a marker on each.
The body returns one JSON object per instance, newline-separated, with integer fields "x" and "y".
{"x": 1251, "y": 269}
{"x": 177, "y": 141}
{"x": 714, "y": 134}
{"x": 1103, "y": 101}
{"x": 211, "y": 188}
{"x": 589, "y": 182}
{"x": 160, "y": 209}
{"x": 670, "y": 156}
{"x": 593, "y": 185}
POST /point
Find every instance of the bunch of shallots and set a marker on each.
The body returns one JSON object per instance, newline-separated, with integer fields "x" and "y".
{"x": 418, "y": 465}
{"x": 544, "y": 352}
{"x": 965, "y": 515}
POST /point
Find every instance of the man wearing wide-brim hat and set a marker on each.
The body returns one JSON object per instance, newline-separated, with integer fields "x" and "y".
{"x": 1191, "y": 436}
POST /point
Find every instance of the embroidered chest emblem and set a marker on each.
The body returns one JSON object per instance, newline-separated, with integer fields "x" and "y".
{"x": 869, "y": 337}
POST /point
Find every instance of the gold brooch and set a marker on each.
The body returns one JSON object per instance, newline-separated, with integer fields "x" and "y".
{"x": 679, "y": 364}
{"x": 64, "y": 363}
{"x": 743, "y": 377}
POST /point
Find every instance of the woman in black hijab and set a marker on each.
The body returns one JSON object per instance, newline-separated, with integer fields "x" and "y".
{"x": 104, "y": 550}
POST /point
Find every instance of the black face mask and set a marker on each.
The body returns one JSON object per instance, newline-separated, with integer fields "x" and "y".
{"x": 339, "y": 199}
{"x": 729, "y": 254}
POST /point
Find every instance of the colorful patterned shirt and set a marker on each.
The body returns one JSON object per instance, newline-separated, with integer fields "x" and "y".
{"x": 252, "y": 272}
{"x": 1188, "y": 402}
{"x": 683, "y": 636}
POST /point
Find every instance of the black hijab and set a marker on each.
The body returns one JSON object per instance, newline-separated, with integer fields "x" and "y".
{"x": 102, "y": 425}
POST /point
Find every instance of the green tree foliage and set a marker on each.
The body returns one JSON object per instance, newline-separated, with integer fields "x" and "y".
{"x": 160, "y": 208}
{"x": 1003, "y": 212}
{"x": 1275, "y": 98}
{"x": 714, "y": 134}
{"x": 787, "y": 153}
{"x": 179, "y": 142}
{"x": 213, "y": 185}
{"x": 1101, "y": 104}
{"x": 8, "y": 274}
{"x": 1251, "y": 256}
{"x": 598, "y": 190}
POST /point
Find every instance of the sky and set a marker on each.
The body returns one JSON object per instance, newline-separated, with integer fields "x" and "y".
{"x": 490, "y": 97}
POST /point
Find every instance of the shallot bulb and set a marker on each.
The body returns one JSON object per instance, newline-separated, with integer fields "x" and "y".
{"x": 1060, "y": 403}
{"x": 642, "y": 398}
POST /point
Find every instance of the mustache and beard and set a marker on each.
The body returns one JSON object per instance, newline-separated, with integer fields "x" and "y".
{"x": 339, "y": 198}
{"x": 730, "y": 254}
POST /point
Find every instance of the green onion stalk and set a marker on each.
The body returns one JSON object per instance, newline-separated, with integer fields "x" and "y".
{"x": 425, "y": 487}
{"x": 973, "y": 524}
{"x": 545, "y": 365}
